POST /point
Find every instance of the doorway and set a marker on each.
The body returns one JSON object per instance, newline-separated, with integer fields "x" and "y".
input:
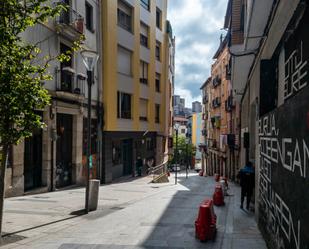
{"x": 127, "y": 152}
{"x": 33, "y": 161}
{"x": 64, "y": 150}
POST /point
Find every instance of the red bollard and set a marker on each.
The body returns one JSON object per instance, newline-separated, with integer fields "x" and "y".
{"x": 168, "y": 174}
{"x": 217, "y": 177}
{"x": 205, "y": 225}
{"x": 201, "y": 173}
{"x": 218, "y": 196}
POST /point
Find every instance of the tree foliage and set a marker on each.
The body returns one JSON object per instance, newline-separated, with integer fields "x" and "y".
{"x": 21, "y": 74}
{"x": 185, "y": 151}
{"x": 23, "y": 71}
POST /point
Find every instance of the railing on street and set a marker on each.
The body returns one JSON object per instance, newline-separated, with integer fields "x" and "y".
{"x": 158, "y": 170}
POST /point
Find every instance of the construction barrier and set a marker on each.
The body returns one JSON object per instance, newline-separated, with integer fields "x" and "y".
{"x": 205, "y": 224}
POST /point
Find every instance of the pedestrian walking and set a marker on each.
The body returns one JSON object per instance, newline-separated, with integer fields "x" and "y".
{"x": 246, "y": 176}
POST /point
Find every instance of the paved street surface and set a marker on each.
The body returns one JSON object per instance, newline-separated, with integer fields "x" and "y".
{"x": 131, "y": 214}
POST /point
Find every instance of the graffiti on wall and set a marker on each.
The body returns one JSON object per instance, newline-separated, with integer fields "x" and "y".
{"x": 284, "y": 174}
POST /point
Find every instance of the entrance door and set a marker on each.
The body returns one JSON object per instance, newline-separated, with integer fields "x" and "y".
{"x": 33, "y": 161}
{"x": 127, "y": 150}
{"x": 64, "y": 151}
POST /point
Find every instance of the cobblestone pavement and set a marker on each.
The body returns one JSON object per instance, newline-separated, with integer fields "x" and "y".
{"x": 131, "y": 214}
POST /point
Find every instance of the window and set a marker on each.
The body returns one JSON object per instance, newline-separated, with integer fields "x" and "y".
{"x": 158, "y": 50}
{"x": 143, "y": 72}
{"x": 124, "y": 61}
{"x": 242, "y": 18}
{"x": 158, "y": 18}
{"x": 144, "y": 35}
{"x": 158, "y": 77}
{"x": 89, "y": 17}
{"x": 116, "y": 153}
{"x": 124, "y": 16}
{"x": 66, "y": 71}
{"x": 143, "y": 109}
{"x": 123, "y": 105}
{"x": 145, "y": 4}
{"x": 157, "y": 113}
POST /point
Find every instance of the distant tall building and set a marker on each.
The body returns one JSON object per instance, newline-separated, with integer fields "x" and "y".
{"x": 176, "y": 100}
{"x": 182, "y": 102}
{"x": 196, "y": 107}
{"x": 179, "y": 106}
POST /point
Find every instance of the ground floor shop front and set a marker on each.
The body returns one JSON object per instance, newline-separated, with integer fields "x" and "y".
{"x": 131, "y": 153}
{"x": 55, "y": 156}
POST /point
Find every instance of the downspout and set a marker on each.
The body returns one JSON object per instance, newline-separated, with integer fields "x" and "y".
{"x": 100, "y": 107}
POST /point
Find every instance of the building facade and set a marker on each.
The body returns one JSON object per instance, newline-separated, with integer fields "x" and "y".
{"x": 196, "y": 126}
{"x": 137, "y": 85}
{"x": 221, "y": 118}
{"x": 55, "y": 157}
{"x": 196, "y": 107}
{"x": 274, "y": 96}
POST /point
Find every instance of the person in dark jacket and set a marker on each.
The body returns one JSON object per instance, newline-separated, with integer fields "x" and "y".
{"x": 247, "y": 181}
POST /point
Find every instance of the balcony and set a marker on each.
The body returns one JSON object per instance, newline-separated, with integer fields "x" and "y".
{"x": 229, "y": 104}
{"x": 216, "y": 102}
{"x": 216, "y": 81}
{"x": 216, "y": 122}
{"x": 70, "y": 82}
{"x": 205, "y": 99}
{"x": 204, "y": 132}
{"x": 70, "y": 24}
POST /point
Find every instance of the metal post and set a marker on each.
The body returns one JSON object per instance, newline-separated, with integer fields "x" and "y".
{"x": 177, "y": 158}
{"x": 187, "y": 160}
{"x": 89, "y": 81}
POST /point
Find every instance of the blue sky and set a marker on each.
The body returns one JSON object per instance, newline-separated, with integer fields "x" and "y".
{"x": 197, "y": 26}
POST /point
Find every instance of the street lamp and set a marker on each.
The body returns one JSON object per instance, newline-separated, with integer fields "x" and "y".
{"x": 90, "y": 59}
{"x": 176, "y": 128}
{"x": 187, "y": 160}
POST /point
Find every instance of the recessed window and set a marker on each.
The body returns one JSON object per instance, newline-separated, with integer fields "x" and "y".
{"x": 124, "y": 13}
{"x": 157, "y": 113}
{"x": 124, "y": 61}
{"x": 158, "y": 83}
{"x": 89, "y": 16}
{"x": 144, "y": 35}
{"x": 143, "y": 72}
{"x": 143, "y": 109}
{"x": 145, "y": 4}
{"x": 66, "y": 70}
{"x": 158, "y": 18}
{"x": 158, "y": 50}
{"x": 123, "y": 105}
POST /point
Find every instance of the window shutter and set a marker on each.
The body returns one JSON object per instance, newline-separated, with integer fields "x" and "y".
{"x": 124, "y": 61}
{"x": 144, "y": 30}
{"x": 143, "y": 107}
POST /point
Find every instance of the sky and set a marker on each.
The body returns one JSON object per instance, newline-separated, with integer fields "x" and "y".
{"x": 197, "y": 25}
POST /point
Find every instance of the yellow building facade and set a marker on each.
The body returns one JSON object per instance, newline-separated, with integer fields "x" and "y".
{"x": 137, "y": 86}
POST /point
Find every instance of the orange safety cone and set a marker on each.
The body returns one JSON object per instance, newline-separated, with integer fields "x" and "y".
{"x": 218, "y": 197}
{"x": 217, "y": 177}
{"x": 205, "y": 224}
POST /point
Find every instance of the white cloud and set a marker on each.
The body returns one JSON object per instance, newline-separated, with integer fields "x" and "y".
{"x": 196, "y": 25}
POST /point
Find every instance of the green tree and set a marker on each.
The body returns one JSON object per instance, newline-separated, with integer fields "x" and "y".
{"x": 182, "y": 146}
{"x": 22, "y": 74}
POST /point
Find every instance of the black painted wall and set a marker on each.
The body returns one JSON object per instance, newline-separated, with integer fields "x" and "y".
{"x": 284, "y": 147}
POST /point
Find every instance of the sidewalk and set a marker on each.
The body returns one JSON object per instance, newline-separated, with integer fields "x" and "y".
{"x": 26, "y": 212}
{"x": 133, "y": 214}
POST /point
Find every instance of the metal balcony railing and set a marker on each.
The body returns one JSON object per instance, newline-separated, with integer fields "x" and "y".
{"x": 67, "y": 81}
{"x": 71, "y": 19}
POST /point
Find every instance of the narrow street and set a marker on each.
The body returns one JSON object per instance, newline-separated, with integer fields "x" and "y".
{"x": 131, "y": 214}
